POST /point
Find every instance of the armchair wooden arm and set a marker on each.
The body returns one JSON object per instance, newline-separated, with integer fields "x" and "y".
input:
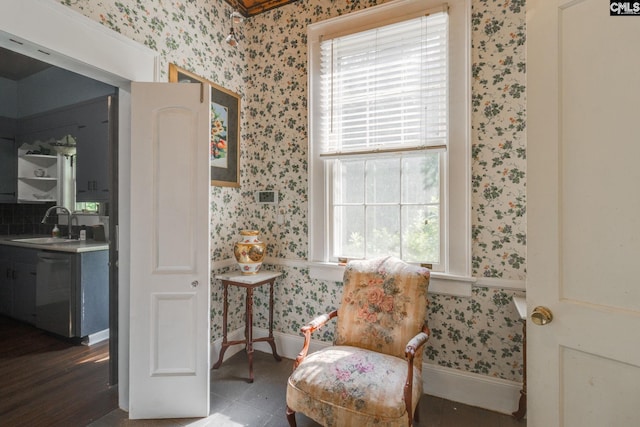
{"x": 308, "y": 329}
{"x": 414, "y": 345}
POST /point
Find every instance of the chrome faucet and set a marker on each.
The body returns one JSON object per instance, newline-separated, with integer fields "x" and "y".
{"x": 64, "y": 210}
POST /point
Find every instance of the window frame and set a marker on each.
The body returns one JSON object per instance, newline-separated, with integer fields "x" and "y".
{"x": 456, "y": 209}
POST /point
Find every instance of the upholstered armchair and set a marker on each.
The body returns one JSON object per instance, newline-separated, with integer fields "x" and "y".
{"x": 372, "y": 375}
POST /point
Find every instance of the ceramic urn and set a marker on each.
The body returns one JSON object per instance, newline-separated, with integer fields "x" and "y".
{"x": 249, "y": 252}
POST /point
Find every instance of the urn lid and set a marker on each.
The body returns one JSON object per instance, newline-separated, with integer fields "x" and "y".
{"x": 249, "y": 232}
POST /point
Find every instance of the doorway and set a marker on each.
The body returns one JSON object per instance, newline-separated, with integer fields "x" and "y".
{"x": 49, "y": 31}
{"x": 40, "y": 92}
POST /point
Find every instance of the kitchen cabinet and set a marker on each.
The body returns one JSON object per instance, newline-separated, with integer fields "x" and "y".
{"x": 24, "y": 285}
{"x": 93, "y": 137}
{"x": 42, "y": 176}
{"x": 18, "y": 283}
{"x": 92, "y": 297}
{"x": 6, "y": 283}
{"x": 46, "y": 126}
{"x": 8, "y": 154}
{"x": 72, "y": 292}
{"x": 66, "y": 293}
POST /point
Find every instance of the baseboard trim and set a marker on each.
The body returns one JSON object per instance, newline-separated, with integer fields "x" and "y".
{"x": 472, "y": 389}
{"x": 96, "y": 338}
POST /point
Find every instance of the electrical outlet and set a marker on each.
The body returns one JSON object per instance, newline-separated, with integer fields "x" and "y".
{"x": 268, "y": 197}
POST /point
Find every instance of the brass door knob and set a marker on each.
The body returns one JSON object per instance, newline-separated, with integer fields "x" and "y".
{"x": 541, "y": 316}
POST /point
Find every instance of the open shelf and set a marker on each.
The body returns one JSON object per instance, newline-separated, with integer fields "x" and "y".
{"x": 37, "y": 178}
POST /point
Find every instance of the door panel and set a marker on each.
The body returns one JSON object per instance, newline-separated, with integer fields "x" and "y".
{"x": 172, "y": 334}
{"x": 170, "y": 262}
{"x": 584, "y": 376}
{"x": 583, "y": 229}
{"x": 599, "y": 150}
{"x": 174, "y": 222}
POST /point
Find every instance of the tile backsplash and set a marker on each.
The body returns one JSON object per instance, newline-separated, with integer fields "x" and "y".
{"x": 18, "y": 218}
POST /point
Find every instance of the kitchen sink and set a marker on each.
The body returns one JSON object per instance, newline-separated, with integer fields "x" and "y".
{"x": 44, "y": 240}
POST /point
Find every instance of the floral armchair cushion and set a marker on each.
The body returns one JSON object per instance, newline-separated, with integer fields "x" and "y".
{"x": 348, "y": 386}
{"x": 384, "y": 305}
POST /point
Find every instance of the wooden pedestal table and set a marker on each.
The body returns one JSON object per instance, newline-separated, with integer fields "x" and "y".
{"x": 249, "y": 282}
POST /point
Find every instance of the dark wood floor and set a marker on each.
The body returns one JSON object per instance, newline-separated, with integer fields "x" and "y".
{"x": 48, "y": 381}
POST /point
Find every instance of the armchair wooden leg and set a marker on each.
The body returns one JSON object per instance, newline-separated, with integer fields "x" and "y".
{"x": 291, "y": 417}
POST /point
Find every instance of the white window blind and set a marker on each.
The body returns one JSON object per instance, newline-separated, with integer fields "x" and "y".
{"x": 385, "y": 89}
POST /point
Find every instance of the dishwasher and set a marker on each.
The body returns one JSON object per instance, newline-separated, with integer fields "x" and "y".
{"x": 55, "y": 299}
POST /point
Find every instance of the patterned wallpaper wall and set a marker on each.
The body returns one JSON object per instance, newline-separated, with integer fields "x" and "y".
{"x": 268, "y": 69}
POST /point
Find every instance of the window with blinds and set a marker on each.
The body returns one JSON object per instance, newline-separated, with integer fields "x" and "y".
{"x": 385, "y": 89}
{"x": 389, "y": 172}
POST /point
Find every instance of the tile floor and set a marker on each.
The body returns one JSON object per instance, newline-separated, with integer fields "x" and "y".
{"x": 235, "y": 403}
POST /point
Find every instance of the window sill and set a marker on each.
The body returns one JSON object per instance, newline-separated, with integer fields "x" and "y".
{"x": 440, "y": 283}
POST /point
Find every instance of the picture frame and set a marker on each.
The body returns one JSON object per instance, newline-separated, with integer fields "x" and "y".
{"x": 224, "y": 143}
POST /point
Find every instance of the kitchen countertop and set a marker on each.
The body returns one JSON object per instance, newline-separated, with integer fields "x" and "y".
{"x": 76, "y": 246}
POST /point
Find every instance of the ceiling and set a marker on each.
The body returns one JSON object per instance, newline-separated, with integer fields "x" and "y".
{"x": 254, "y": 7}
{"x": 14, "y": 66}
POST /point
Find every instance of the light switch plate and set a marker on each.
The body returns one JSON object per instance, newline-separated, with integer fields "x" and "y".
{"x": 267, "y": 197}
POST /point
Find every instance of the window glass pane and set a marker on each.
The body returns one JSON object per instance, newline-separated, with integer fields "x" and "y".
{"x": 421, "y": 178}
{"x": 421, "y": 233}
{"x": 383, "y": 231}
{"x": 349, "y": 240}
{"x": 87, "y": 206}
{"x": 349, "y": 182}
{"x": 383, "y": 180}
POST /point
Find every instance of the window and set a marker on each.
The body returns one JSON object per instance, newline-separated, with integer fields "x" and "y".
{"x": 389, "y": 120}
{"x": 87, "y": 207}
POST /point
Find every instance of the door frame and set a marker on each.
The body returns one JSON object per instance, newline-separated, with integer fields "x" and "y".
{"x": 114, "y": 191}
{"x": 48, "y": 31}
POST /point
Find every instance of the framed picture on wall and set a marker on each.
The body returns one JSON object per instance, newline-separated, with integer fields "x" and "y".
{"x": 224, "y": 143}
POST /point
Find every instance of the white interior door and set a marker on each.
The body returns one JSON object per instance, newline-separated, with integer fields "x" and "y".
{"x": 170, "y": 260}
{"x": 583, "y": 143}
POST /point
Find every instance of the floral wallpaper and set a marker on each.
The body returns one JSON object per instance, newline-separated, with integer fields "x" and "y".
{"x": 499, "y": 139}
{"x": 267, "y": 69}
